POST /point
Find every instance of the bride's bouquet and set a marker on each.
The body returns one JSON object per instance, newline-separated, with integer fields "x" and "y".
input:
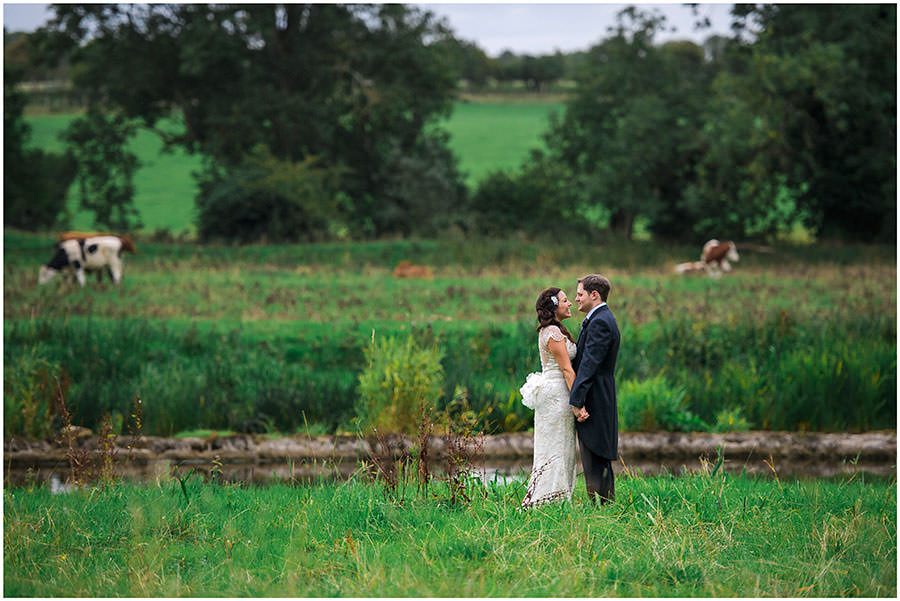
{"x": 531, "y": 389}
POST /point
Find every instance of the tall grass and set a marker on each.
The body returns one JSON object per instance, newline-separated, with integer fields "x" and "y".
{"x": 257, "y": 337}
{"x": 188, "y": 377}
{"x": 703, "y": 536}
{"x": 244, "y": 378}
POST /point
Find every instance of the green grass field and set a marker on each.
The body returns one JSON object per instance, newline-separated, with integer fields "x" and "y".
{"x": 668, "y": 536}
{"x": 220, "y": 337}
{"x": 164, "y": 186}
{"x": 490, "y": 136}
{"x": 484, "y": 136}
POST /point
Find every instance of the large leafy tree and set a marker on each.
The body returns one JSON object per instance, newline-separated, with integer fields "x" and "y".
{"x": 468, "y": 61}
{"x": 348, "y": 85}
{"x": 627, "y": 132}
{"x": 818, "y": 95}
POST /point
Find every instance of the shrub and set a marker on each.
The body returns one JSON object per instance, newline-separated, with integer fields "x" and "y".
{"x": 731, "y": 420}
{"x": 654, "y": 404}
{"x": 421, "y": 184}
{"x": 536, "y": 201}
{"x": 398, "y": 379}
{"x": 266, "y": 199}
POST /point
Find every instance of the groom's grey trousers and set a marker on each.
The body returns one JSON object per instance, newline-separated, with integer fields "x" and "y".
{"x": 598, "y": 475}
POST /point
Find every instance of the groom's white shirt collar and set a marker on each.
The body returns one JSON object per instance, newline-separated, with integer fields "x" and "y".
{"x": 592, "y": 311}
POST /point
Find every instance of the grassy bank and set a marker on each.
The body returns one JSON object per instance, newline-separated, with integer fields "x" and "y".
{"x": 719, "y": 536}
{"x": 237, "y": 337}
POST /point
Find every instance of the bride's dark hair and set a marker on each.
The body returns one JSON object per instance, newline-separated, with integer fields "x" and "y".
{"x": 546, "y": 311}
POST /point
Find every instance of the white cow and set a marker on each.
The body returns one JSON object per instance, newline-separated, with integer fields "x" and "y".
{"x": 716, "y": 256}
{"x": 95, "y": 254}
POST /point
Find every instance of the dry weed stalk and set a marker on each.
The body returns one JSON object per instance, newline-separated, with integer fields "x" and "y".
{"x": 79, "y": 464}
{"x": 426, "y": 427}
{"x": 387, "y": 469}
{"x": 529, "y": 500}
{"x": 107, "y": 451}
{"x": 626, "y": 471}
{"x": 135, "y": 425}
{"x": 464, "y": 446}
{"x": 215, "y": 469}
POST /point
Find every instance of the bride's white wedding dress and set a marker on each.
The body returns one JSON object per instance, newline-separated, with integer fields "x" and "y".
{"x": 553, "y": 468}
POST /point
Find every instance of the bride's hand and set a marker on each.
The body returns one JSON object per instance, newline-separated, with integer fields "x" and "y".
{"x": 581, "y": 413}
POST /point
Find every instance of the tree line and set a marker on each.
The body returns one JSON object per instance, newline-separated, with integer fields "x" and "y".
{"x": 319, "y": 122}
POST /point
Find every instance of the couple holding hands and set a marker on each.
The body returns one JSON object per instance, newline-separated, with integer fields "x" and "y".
{"x": 574, "y": 391}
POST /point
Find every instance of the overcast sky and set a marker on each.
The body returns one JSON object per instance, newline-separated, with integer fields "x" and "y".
{"x": 543, "y": 28}
{"x": 524, "y": 28}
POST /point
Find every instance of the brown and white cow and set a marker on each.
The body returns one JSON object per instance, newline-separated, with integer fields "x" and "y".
{"x": 716, "y": 256}
{"x": 77, "y": 254}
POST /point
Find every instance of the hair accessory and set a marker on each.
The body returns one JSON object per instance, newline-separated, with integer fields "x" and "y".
{"x": 555, "y": 300}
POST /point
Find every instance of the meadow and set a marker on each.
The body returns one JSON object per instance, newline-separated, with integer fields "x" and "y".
{"x": 697, "y": 535}
{"x": 485, "y": 136}
{"x": 273, "y": 337}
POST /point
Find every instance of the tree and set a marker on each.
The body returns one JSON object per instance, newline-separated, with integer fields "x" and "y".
{"x": 34, "y": 182}
{"x": 106, "y": 168}
{"x": 15, "y": 130}
{"x": 507, "y": 66}
{"x": 627, "y": 132}
{"x": 469, "y": 62}
{"x": 539, "y": 71}
{"x": 21, "y": 50}
{"x": 348, "y": 84}
{"x": 820, "y": 88}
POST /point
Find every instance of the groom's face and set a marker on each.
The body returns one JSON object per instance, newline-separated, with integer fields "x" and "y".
{"x": 586, "y": 300}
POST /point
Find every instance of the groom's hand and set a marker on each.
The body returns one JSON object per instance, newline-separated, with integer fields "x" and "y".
{"x": 581, "y": 413}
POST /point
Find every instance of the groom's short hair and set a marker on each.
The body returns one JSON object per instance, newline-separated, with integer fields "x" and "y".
{"x": 598, "y": 283}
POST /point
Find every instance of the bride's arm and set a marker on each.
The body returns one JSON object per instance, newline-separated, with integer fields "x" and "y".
{"x": 561, "y": 354}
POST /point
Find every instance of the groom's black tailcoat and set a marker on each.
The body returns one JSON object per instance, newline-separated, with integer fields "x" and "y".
{"x": 594, "y": 387}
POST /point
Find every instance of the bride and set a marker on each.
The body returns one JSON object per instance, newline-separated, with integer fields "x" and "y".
{"x": 547, "y": 393}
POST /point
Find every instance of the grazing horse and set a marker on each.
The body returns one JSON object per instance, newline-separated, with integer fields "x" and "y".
{"x": 716, "y": 256}
{"x": 91, "y": 253}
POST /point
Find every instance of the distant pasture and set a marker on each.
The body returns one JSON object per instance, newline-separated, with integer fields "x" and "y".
{"x": 484, "y": 136}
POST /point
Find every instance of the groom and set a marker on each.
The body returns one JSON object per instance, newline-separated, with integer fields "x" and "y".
{"x": 593, "y": 395}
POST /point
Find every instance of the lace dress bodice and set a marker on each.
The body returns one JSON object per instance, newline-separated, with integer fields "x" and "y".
{"x": 548, "y": 361}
